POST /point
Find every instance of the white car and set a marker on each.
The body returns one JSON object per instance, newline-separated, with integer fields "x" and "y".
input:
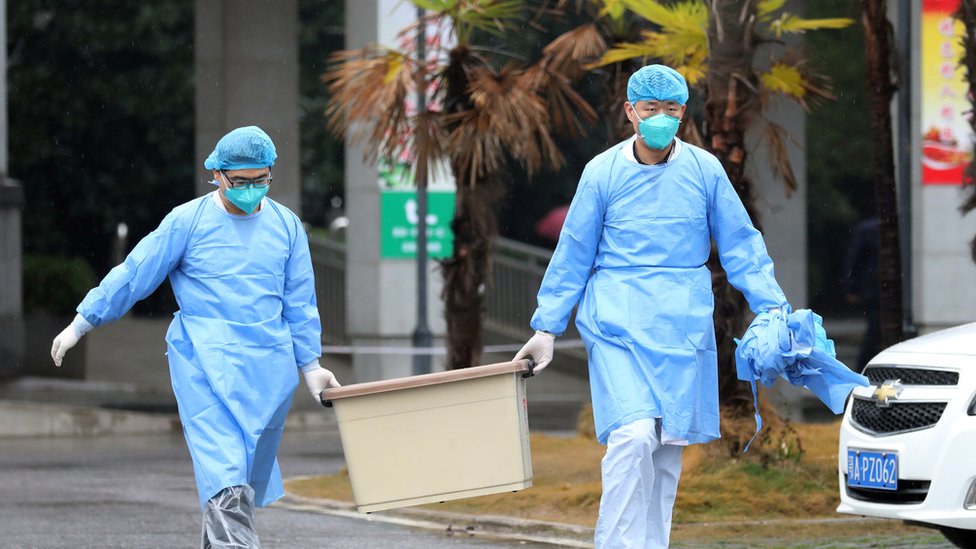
{"x": 908, "y": 441}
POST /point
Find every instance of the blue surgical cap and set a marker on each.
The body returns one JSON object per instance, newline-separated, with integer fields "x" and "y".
{"x": 657, "y": 82}
{"x": 242, "y": 149}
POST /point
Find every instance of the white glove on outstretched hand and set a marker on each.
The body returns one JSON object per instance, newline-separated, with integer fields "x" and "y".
{"x": 68, "y": 338}
{"x": 318, "y": 379}
{"x": 539, "y": 347}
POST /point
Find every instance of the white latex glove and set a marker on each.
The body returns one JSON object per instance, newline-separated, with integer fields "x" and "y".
{"x": 319, "y": 379}
{"x": 68, "y": 338}
{"x": 539, "y": 347}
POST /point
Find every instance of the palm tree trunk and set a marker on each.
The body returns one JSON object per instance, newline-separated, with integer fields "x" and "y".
{"x": 475, "y": 226}
{"x": 967, "y": 14}
{"x": 731, "y": 98}
{"x": 466, "y": 272}
{"x": 877, "y": 42}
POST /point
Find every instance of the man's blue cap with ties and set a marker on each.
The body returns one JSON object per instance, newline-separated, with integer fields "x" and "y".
{"x": 242, "y": 149}
{"x": 657, "y": 82}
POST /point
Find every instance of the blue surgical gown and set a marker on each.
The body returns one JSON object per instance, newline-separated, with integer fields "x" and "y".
{"x": 632, "y": 255}
{"x": 247, "y": 320}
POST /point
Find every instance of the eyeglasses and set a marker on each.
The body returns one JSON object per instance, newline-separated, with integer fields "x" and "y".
{"x": 242, "y": 183}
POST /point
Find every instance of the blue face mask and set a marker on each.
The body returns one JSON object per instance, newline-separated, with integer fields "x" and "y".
{"x": 658, "y": 130}
{"x": 246, "y": 198}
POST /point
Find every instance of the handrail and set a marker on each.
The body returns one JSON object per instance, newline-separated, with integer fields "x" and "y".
{"x": 329, "y": 264}
{"x": 510, "y": 297}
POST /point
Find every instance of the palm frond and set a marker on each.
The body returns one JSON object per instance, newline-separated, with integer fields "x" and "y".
{"x": 506, "y": 117}
{"x": 498, "y": 10}
{"x": 614, "y": 9}
{"x": 765, "y": 8}
{"x": 428, "y": 143}
{"x": 785, "y": 79}
{"x": 675, "y": 48}
{"x": 492, "y": 16}
{"x": 779, "y": 157}
{"x": 688, "y": 17}
{"x": 651, "y": 10}
{"x": 695, "y": 67}
{"x": 625, "y": 51}
{"x": 792, "y": 24}
{"x": 685, "y": 53}
{"x": 580, "y": 45}
{"x": 435, "y": 5}
{"x": 681, "y": 42}
{"x": 568, "y": 111}
{"x": 792, "y": 77}
{"x": 369, "y": 88}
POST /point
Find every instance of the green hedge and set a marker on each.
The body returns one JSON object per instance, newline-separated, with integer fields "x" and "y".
{"x": 56, "y": 284}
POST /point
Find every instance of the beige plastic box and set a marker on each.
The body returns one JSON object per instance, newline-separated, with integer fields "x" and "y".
{"x": 435, "y": 437}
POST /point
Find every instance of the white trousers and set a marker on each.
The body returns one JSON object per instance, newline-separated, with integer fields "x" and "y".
{"x": 640, "y": 482}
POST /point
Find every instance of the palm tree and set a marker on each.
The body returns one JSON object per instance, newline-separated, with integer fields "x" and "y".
{"x": 714, "y": 44}
{"x": 485, "y": 109}
{"x": 878, "y": 52}
{"x": 967, "y": 14}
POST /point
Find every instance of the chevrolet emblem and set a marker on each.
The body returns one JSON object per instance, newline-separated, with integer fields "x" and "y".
{"x": 888, "y": 391}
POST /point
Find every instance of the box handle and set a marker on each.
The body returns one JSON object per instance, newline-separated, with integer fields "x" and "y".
{"x": 527, "y": 363}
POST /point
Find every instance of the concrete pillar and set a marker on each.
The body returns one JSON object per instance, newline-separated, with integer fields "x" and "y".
{"x": 4, "y": 163}
{"x": 381, "y": 293}
{"x": 783, "y": 218}
{"x": 11, "y": 297}
{"x": 784, "y": 223}
{"x": 11, "y": 203}
{"x": 943, "y": 270}
{"x": 246, "y": 57}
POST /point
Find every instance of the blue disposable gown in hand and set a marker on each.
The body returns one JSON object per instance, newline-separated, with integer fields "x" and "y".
{"x": 247, "y": 320}
{"x": 794, "y": 346}
{"x": 632, "y": 253}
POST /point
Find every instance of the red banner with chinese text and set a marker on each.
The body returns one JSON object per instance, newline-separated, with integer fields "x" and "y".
{"x": 947, "y": 139}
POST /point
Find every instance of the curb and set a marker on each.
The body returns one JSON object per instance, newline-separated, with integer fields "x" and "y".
{"x": 33, "y": 419}
{"x": 509, "y": 528}
{"x": 482, "y": 526}
{"x": 27, "y": 419}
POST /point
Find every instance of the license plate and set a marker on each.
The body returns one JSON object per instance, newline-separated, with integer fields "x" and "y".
{"x": 867, "y": 469}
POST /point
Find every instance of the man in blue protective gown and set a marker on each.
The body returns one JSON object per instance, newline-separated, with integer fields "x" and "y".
{"x": 240, "y": 268}
{"x": 632, "y": 255}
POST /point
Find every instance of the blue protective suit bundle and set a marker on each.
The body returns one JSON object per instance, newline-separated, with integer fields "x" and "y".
{"x": 247, "y": 320}
{"x": 794, "y": 346}
{"x": 632, "y": 253}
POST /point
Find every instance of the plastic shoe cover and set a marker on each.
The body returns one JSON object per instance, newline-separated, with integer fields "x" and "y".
{"x": 228, "y": 520}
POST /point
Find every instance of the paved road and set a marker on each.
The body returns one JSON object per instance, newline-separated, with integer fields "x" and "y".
{"x": 138, "y": 492}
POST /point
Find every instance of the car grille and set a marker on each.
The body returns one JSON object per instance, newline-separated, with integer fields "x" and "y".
{"x": 909, "y": 491}
{"x": 911, "y": 376}
{"x": 895, "y": 418}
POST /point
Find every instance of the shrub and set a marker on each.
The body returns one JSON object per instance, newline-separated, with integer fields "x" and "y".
{"x": 55, "y": 284}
